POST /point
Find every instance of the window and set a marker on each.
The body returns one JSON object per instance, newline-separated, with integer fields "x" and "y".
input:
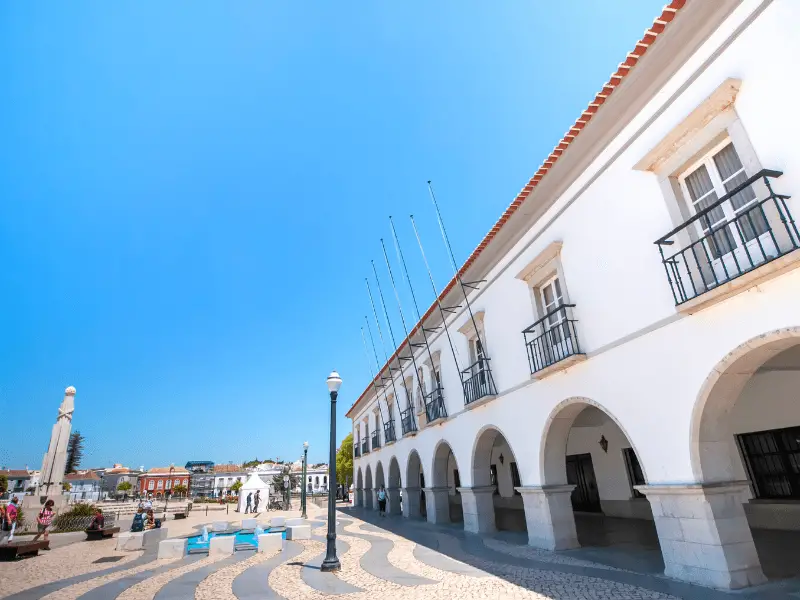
{"x": 515, "y": 480}
{"x": 160, "y": 484}
{"x": 169, "y": 483}
{"x": 772, "y": 459}
{"x": 456, "y": 480}
{"x": 635, "y": 475}
{"x": 493, "y": 478}
{"x": 177, "y": 482}
{"x": 324, "y": 480}
{"x": 185, "y": 482}
{"x": 316, "y": 481}
{"x": 707, "y": 181}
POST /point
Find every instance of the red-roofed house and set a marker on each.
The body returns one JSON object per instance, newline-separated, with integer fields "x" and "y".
{"x": 83, "y": 486}
{"x": 159, "y": 481}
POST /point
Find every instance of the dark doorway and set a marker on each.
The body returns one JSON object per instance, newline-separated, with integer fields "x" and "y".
{"x": 423, "y": 507}
{"x": 580, "y": 473}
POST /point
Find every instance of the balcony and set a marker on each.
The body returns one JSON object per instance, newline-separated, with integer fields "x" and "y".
{"x": 407, "y": 422}
{"x": 376, "y": 442}
{"x": 477, "y": 381}
{"x": 727, "y": 246}
{"x": 434, "y": 405}
{"x": 356, "y": 451}
{"x": 552, "y": 342}
{"x": 365, "y": 447}
{"x": 388, "y": 431}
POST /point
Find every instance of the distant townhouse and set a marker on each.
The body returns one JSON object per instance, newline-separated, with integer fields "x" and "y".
{"x": 225, "y": 476}
{"x": 19, "y": 480}
{"x": 83, "y": 486}
{"x": 159, "y": 481}
{"x": 112, "y": 478}
{"x": 202, "y": 478}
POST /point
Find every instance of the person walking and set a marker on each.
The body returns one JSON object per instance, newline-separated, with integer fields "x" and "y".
{"x": 256, "y": 500}
{"x": 382, "y": 502}
{"x": 11, "y": 519}
{"x": 248, "y": 508}
{"x": 44, "y": 521}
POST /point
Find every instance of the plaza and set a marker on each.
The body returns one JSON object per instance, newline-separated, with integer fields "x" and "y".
{"x": 386, "y": 556}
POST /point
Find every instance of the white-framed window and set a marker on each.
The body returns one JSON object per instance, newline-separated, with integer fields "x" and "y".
{"x": 709, "y": 179}
{"x": 160, "y": 484}
{"x": 552, "y": 298}
{"x": 151, "y": 485}
{"x": 177, "y": 482}
{"x": 169, "y": 483}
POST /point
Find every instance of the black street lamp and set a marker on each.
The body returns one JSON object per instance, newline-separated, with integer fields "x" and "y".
{"x": 167, "y": 489}
{"x": 304, "y": 498}
{"x": 331, "y": 562}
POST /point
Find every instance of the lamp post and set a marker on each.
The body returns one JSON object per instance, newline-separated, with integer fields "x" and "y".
{"x": 304, "y": 497}
{"x": 331, "y": 562}
{"x": 286, "y": 491}
{"x": 167, "y": 489}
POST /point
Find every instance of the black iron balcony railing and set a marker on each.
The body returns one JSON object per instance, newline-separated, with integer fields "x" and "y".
{"x": 434, "y": 405}
{"x": 552, "y": 338}
{"x": 477, "y": 381}
{"x": 388, "y": 431}
{"x": 407, "y": 422}
{"x": 729, "y": 238}
{"x": 365, "y": 447}
{"x": 356, "y": 451}
{"x": 376, "y": 442}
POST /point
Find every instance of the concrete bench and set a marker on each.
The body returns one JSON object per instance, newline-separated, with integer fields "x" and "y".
{"x": 249, "y": 524}
{"x": 173, "y": 548}
{"x": 136, "y": 540}
{"x": 270, "y": 542}
{"x": 100, "y": 534}
{"x": 223, "y": 545}
{"x": 219, "y": 526}
{"x": 14, "y": 550}
{"x": 298, "y": 532}
{"x": 297, "y": 521}
{"x": 277, "y": 522}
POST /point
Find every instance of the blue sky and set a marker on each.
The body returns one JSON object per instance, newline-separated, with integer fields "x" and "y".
{"x": 192, "y": 192}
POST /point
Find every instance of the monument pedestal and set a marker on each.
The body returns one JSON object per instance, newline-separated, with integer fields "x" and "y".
{"x": 35, "y": 503}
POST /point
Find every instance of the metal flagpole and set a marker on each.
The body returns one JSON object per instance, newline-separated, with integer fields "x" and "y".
{"x": 383, "y": 387}
{"x": 463, "y": 286}
{"x": 374, "y": 385}
{"x": 430, "y": 415}
{"x": 383, "y": 345}
{"x": 443, "y": 311}
{"x": 410, "y": 404}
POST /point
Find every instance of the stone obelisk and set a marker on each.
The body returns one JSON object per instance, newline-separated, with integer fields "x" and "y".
{"x": 55, "y": 460}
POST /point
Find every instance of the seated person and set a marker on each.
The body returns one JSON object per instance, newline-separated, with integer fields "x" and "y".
{"x": 150, "y": 520}
{"x": 138, "y": 521}
{"x": 98, "y": 521}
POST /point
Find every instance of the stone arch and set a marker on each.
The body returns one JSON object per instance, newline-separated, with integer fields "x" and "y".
{"x": 359, "y": 488}
{"x": 380, "y": 481}
{"x": 394, "y": 473}
{"x": 444, "y": 499}
{"x": 481, "y": 454}
{"x": 413, "y": 496}
{"x": 368, "y": 491}
{"x": 441, "y": 456}
{"x": 553, "y": 450}
{"x": 713, "y": 452}
{"x": 413, "y": 469}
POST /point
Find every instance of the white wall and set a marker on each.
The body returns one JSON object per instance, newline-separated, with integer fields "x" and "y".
{"x": 646, "y": 363}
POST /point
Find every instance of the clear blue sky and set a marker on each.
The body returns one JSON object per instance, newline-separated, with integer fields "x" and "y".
{"x": 192, "y": 192}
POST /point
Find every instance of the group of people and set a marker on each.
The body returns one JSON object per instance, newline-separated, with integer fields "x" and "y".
{"x": 252, "y": 502}
{"x": 144, "y": 520}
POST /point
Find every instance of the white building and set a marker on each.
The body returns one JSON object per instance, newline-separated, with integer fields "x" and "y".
{"x": 316, "y": 481}
{"x": 657, "y": 375}
{"x": 84, "y": 486}
{"x": 225, "y": 476}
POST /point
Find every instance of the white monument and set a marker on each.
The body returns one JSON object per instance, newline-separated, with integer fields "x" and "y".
{"x": 55, "y": 460}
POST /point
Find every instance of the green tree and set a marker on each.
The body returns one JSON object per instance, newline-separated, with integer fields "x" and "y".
{"x": 124, "y": 486}
{"x": 344, "y": 461}
{"x": 3, "y": 484}
{"x": 74, "y": 452}
{"x": 278, "y": 484}
{"x": 237, "y": 485}
{"x": 180, "y": 490}
{"x": 251, "y": 463}
{"x": 66, "y": 486}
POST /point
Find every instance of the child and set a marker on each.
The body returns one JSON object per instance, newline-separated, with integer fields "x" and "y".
{"x": 44, "y": 520}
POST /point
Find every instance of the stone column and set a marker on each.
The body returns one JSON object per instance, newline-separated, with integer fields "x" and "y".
{"x": 478, "y": 505}
{"x": 359, "y": 497}
{"x": 375, "y": 505}
{"x": 368, "y": 498}
{"x": 549, "y": 516}
{"x": 437, "y": 500}
{"x": 704, "y": 535}
{"x": 393, "y": 501}
{"x": 411, "y": 502}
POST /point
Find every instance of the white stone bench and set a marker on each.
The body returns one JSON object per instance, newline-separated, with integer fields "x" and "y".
{"x": 174, "y": 548}
{"x": 277, "y": 522}
{"x": 152, "y": 537}
{"x": 249, "y": 523}
{"x": 219, "y": 526}
{"x": 130, "y": 540}
{"x": 270, "y": 542}
{"x": 298, "y": 532}
{"x": 222, "y": 545}
{"x": 297, "y": 521}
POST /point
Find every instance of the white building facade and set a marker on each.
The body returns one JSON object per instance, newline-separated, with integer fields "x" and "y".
{"x": 633, "y": 347}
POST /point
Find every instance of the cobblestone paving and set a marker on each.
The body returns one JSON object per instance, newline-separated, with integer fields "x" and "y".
{"x": 379, "y": 561}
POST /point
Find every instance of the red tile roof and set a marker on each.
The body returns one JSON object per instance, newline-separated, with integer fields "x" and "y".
{"x": 227, "y": 468}
{"x": 88, "y": 475}
{"x": 624, "y": 68}
{"x": 165, "y": 471}
{"x": 15, "y": 473}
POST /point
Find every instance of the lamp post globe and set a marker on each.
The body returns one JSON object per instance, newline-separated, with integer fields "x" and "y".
{"x": 331, "y": 562}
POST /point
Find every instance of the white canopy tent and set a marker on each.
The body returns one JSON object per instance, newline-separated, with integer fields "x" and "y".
{"x": 254, "y": 484}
